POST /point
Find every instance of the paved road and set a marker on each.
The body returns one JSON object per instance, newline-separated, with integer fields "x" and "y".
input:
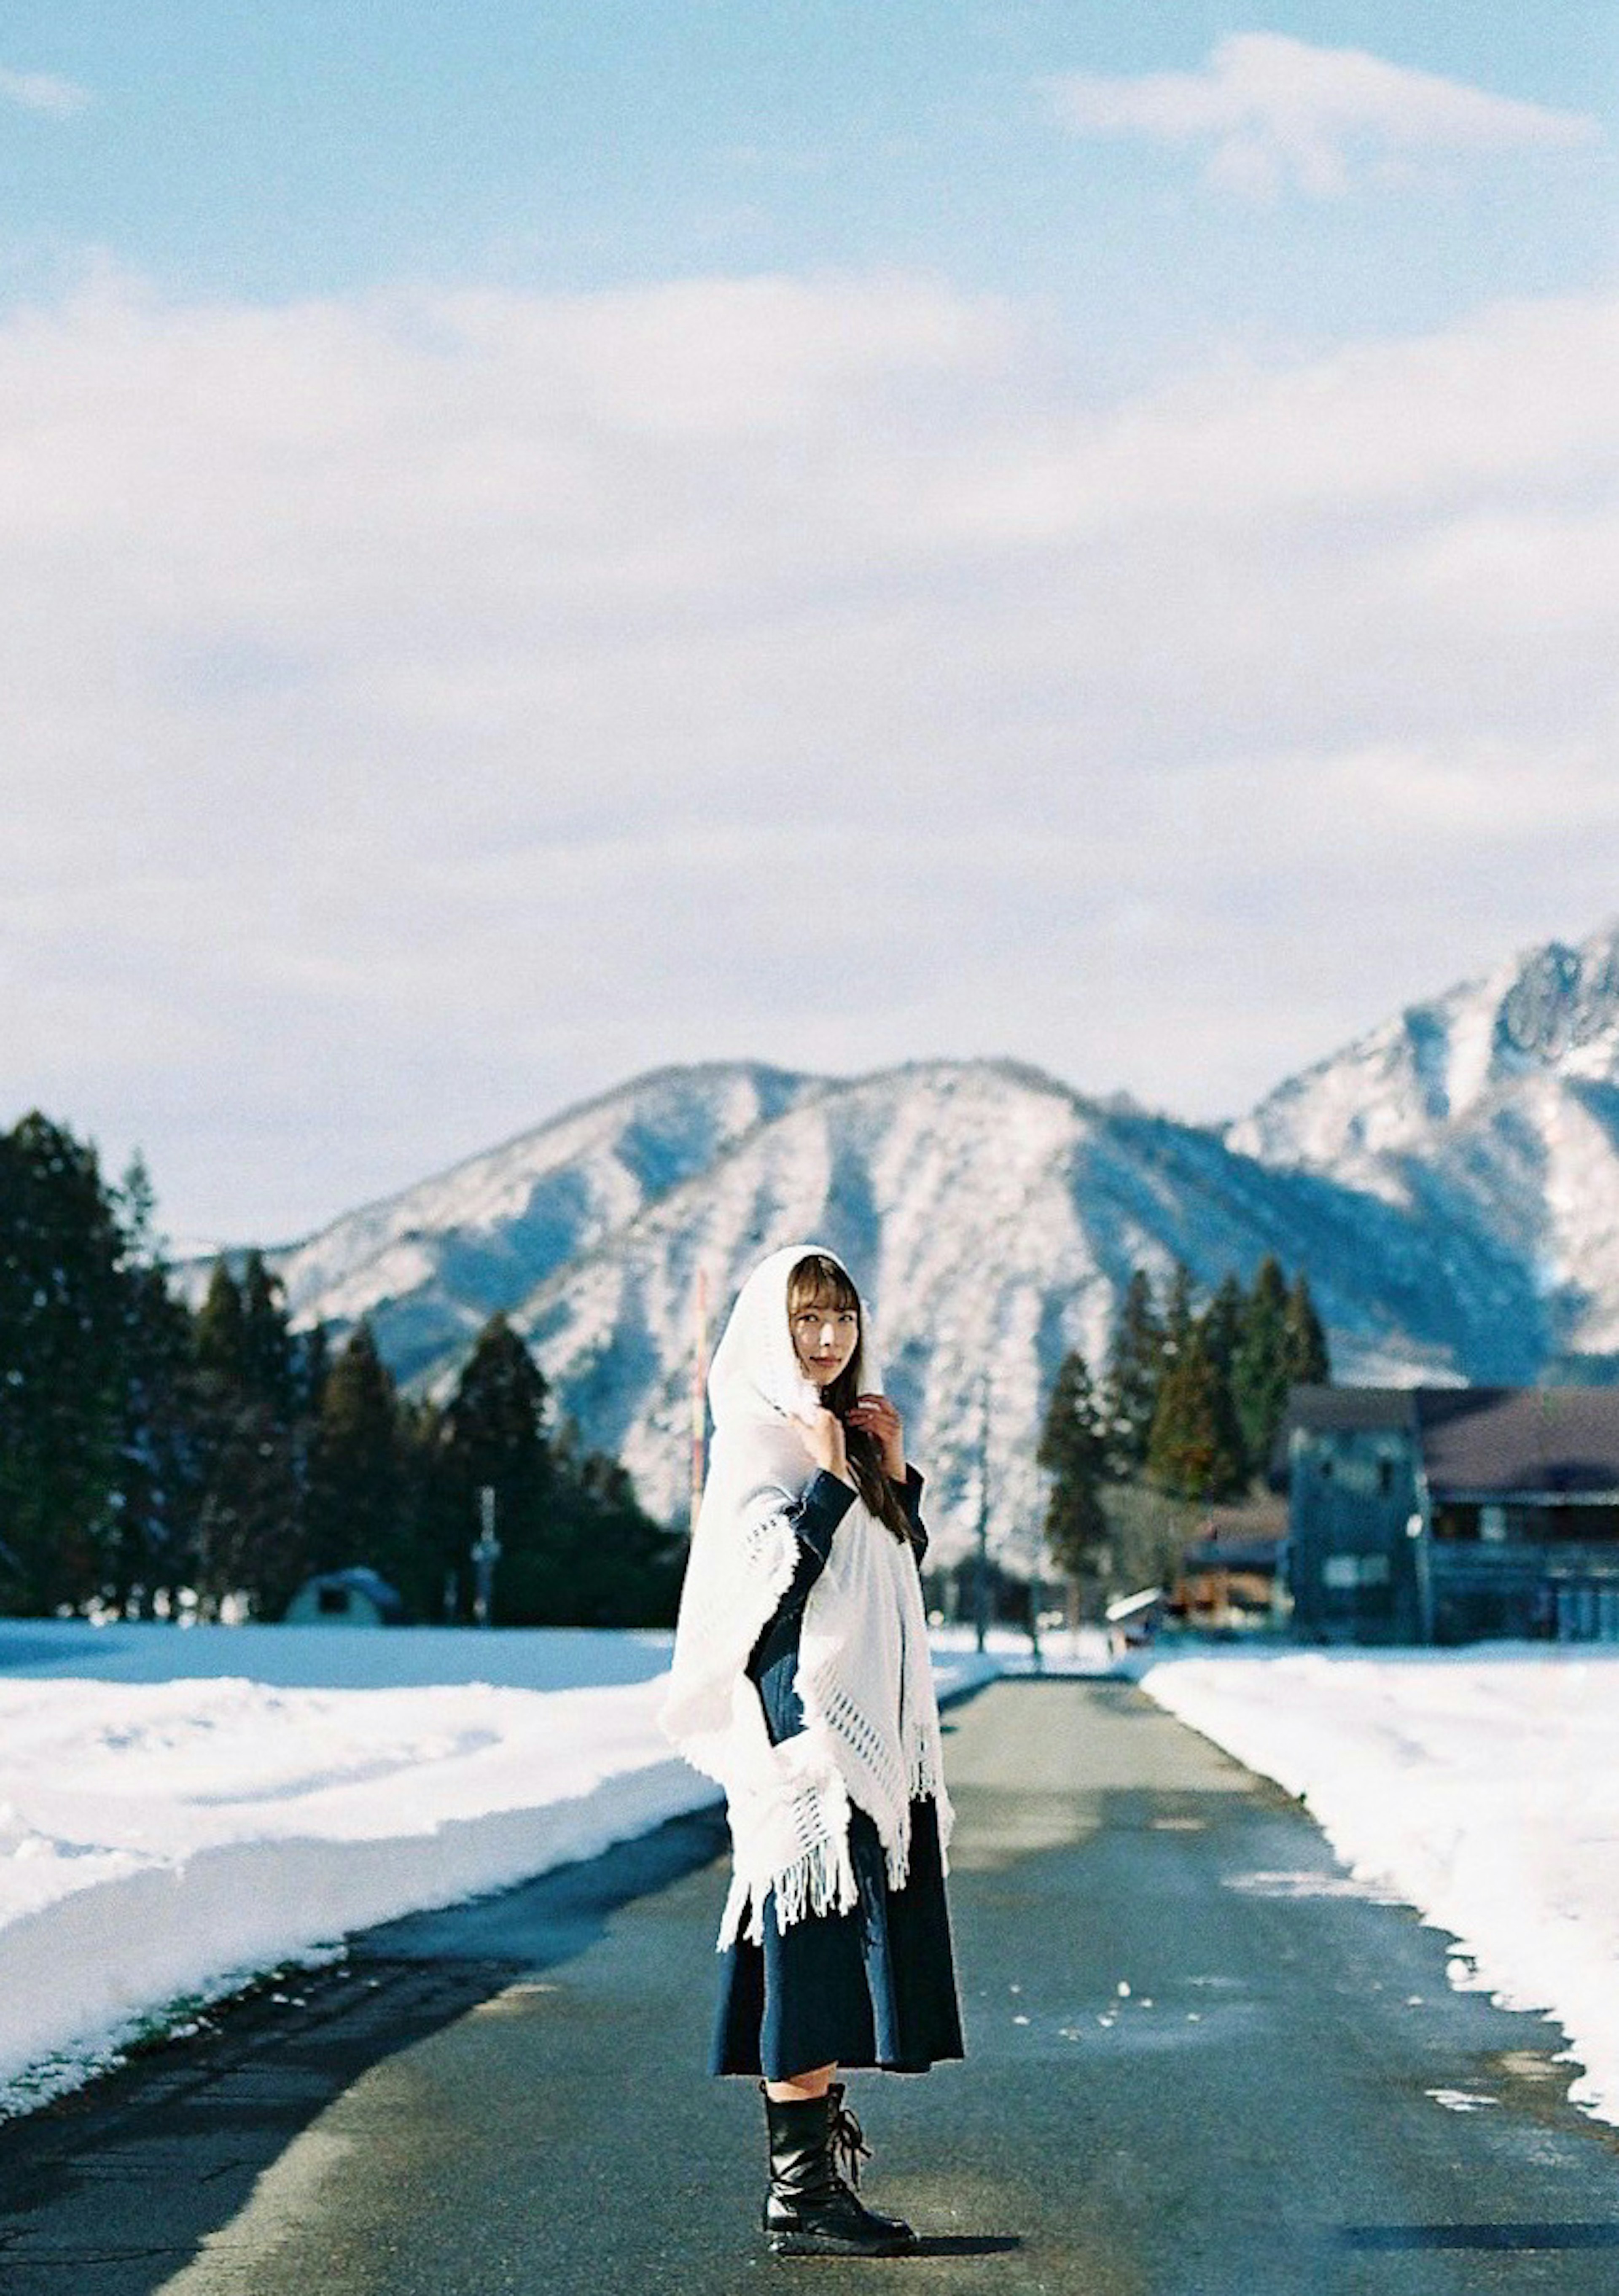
{"x": 509, "y": 2095}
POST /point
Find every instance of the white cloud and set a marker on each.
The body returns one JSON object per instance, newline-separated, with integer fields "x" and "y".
{"x": 42, "y": 92}
{"x": 422, "y": 711}
{"x": 1521, "y": 393}
{"x": 1278, "y": 110}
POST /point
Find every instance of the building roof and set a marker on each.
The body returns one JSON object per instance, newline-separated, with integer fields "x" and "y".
{"x": 1348, "y": 1408}
{"x": 359, "y": 1578}
{"x": 1480, "y": 1442}
{"x": 1542, "y": 1442}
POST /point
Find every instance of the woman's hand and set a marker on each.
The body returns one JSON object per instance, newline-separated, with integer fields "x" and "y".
{"x": 821, "y": 1433}
{"x": 877, "y": 1417}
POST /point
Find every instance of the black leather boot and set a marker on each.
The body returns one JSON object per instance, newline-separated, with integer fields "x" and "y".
{"x": 809, "y": 2211}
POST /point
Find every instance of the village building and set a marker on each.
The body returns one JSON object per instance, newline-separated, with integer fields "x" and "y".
{"x": 1229, "y": 1582}
{"x": 358, "y": 1597}
{"x": 1444, "y": 1514}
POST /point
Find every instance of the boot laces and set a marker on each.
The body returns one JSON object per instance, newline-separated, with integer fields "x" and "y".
{"x": 846, "y": 2139}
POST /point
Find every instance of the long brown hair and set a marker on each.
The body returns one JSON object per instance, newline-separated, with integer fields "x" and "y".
{"x": 819, "y": 1282}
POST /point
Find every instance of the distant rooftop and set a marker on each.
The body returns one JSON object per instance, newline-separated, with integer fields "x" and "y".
{"x": 1483, "y": 1442}
{"x": 1544, "y": 1441}
{"x": 1348, "y": 1409}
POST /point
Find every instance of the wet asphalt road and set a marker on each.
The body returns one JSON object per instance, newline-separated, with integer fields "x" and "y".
{"x": 509, "y": 2095}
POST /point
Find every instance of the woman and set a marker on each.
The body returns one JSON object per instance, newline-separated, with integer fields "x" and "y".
{"x": 802, "y": 1682}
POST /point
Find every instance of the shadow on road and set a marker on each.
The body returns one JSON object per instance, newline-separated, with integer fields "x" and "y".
{"x": 112, "y": 2190}
{"x": 1524, "y": 2237}
{"x": 1172, "y": 1992}
{"x": 965, "y": 2244}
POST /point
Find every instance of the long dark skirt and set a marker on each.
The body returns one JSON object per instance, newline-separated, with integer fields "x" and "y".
{"x": 872, "y": 1988}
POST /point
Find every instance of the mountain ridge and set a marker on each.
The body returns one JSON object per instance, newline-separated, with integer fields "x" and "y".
{"x": 1450, "y": 1180}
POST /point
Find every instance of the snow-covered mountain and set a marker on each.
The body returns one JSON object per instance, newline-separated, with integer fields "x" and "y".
{"x": 1495, "y": 1110}
{"x": 994, "y": 1217}
{"x": 1451, "y": 1182}
{"x": 1551, "y": 1013}
{"x": 429, "y": 1265}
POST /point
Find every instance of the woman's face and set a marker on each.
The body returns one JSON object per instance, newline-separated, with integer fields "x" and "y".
{"x": 824, "y": 1338}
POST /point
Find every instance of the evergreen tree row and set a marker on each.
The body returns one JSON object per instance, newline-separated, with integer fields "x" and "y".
{"x": 152, "y": 1459}
{"x": 1190, "y": 1401}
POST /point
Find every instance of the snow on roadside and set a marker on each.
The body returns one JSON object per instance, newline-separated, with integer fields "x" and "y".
{"x": 180, "y": 1811}
{"x": 1481, "y": 1786}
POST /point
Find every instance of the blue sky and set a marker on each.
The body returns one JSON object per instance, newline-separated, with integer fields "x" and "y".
{"x": 316, "y": 148}
{"x": 490, "y": 493}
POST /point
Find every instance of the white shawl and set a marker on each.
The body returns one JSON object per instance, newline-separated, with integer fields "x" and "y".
{"x": 871, "y": 1720}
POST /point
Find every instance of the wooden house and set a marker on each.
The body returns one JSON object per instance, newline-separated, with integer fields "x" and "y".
{"x": 1443, "y": 1515}
{"x": 1227, "y": 1582}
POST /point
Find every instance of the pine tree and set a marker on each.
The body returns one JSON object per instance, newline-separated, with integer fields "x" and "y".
{"x": 1180, "y": 1311}
{"x": 221, "y": 1340}
{"x": 1129, "y": 1388}
{"x": 62, "y": 1343}
{"x": 494, "y": 1424}
{"x": 248, "y": 1540}
{"x": 433, "y": 1574}
{"x": 1219, "y": 1327}
{"x": 356, "y": 1510}
{"x": 1260, "y": 1371}
{"x": 152, "y": 1554}
{"x": 250, "y": 1529}
{"x": 312, "y": 1365}
{"x": 1195, "y": 1451}
{"x": 1073, "y": 1453}
{"x": 611, "y": 1564}
{"x": 270, "y": 1367}
{"x": 135, "y": 1209}
{"x": 494, "y": 1439}
{"x": 308, "y": 1367}
{"x": 1223, "y": 1325}
{"x": 576, "y": 1548}
{"x": 1304, "y": 1340}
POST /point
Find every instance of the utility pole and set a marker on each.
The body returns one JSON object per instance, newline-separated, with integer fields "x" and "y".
{"x": 980, "y": 1574}
{"x": 486, "y": 1555}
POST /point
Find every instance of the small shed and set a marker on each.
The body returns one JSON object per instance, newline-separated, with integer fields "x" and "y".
{"x": 1228, "y": 1581}
{"x": 357, "y": 1597}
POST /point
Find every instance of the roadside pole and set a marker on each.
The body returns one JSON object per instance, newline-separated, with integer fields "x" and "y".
{"x": 980, "y": 1574}
{"x": 486, "y": 1555}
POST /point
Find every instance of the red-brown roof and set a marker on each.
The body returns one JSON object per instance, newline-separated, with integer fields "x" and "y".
{"x": 1522, "y": 1441}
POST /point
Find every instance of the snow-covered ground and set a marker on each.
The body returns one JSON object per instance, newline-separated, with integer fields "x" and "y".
{"x": 180, "y": 1810}
{"x": 1480, "y": 1785}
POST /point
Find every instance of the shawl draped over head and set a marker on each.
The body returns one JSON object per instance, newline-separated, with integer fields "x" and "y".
{"x": 870, "y": 1733}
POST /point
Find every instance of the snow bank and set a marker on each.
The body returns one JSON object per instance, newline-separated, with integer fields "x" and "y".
{"x": 180, "y": 1810}
{"x": 1481, "y": 1786}
{"x": 334, "y": 1657}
